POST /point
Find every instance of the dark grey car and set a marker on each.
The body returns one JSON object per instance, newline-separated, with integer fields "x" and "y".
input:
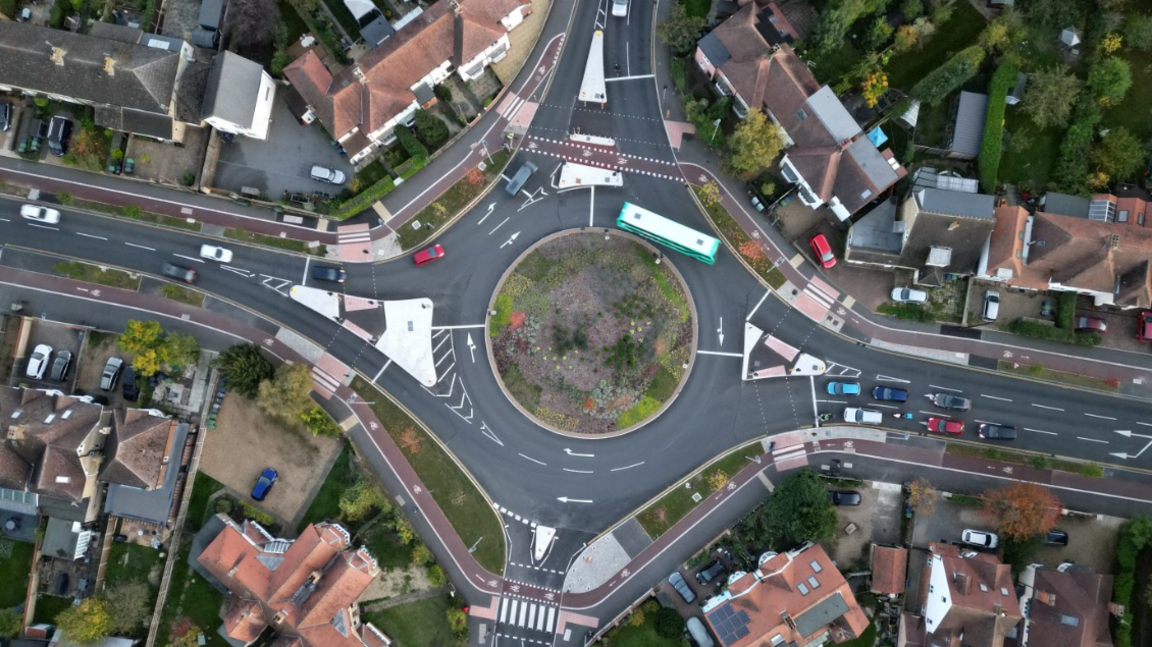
{"x": 709, "y": 572}
{"x": 61, "y": 365}
{"x": 178, "y": 273}
{"x": 996, "y": 432}
{"x": 844, "y": 497}
{"x": 951, "y": 402}
{"x": 5, "y": 116}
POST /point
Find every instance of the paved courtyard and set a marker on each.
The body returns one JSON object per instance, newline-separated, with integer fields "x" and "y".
{"x": 283, "y": 161}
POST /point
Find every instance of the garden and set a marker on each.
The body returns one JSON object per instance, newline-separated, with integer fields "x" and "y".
{"x": 591, "y": 336}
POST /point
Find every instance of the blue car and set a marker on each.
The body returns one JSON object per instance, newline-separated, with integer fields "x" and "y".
{"x": 890, "y": 394}
{"x": 843, "y": 388}
{"x": 264, "y": 483}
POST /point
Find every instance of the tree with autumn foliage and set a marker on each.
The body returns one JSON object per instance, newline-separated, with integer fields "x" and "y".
{"x": 922, "y": 497}
{"x": 1021, "y": 510}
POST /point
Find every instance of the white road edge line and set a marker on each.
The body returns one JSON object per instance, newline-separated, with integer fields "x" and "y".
{"x": 151, "y": 249}
{"x": 1044, "y": 406}
{"x": 1041, "y": 431}
{"x": 32, "y": 224}
{"x": 626, "y": 467}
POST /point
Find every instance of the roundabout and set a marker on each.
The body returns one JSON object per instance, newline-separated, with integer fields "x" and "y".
{"x": 591, "y": 337}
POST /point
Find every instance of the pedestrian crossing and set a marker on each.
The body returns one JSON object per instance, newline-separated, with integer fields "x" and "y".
{"x": 510, "y": 106}
{"x": 528, "y": 614}
{"x": 325, "y": 383}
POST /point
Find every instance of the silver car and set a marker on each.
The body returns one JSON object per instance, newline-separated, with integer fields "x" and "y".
{"x": 111, "y": 373}
{"x": 329, "y": 175}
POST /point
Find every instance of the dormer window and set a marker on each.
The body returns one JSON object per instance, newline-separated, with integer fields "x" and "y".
{"x": 63, "y": 479}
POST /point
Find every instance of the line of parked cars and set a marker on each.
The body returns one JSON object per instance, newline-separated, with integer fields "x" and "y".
{"x": 41, "y": 359}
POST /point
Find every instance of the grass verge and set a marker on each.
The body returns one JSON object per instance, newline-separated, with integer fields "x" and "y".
{"x": 202, "y": 489}
{"x": 191, "y": 596}
{"x": 457, "y": 197}
{"x": 93, "y": 274}
{"x": 50, "y": 606}
{"x": 416, "y": 624}
{"x": 182, "y": 294}
{"x": 1037, "y": 461}
{"x": 326, "y": 505}
{"x": 14, "y": 570}
{"x": 131, "y": 562}
{"x": 749, "y": 249}
{"x": 466, "y": 508}
{"x": 644, "y": 635}
{"x": 664, "y": 512}
{"x": 136, "y": 213}
{"x": 290, "y": 244}
{"x": 1039, "y": 372}
{"x": 961, "y": 30}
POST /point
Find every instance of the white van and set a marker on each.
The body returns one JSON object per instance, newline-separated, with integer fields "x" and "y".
{"x": 619, "y": 8}
{"x": 991, "y": 305}
{"x": 863, "y": 416}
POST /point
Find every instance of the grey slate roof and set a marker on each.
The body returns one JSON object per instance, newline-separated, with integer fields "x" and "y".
{"x": 968, "y": 127}
{"x": 874, "y": 233}
{"x": 877, "y": 169}
{"x": 835, "y": 117}
{"x": 954, "y": 203}
{"x": 149, "y": 505}
{"x": 143, "y": 78}
{"x": 714, "y": 49}
{"x": 964, "y": 236}
{"x": 134, "y": 121}
{"x": 821, "y": 615}
{"x": 377, "y": 31}
{"x": 232, "y": 89}
{"x": 1063, "y": 204}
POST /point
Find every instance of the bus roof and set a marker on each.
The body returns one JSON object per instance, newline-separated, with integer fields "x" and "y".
{"x": 649, "y": 221}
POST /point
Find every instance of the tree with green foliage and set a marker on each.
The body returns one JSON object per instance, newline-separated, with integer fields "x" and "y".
{"x": 754, "y": 145}
{"x": 1050, "y": 95}
{"x": 1003, "y": 32}
{"x": 879, "y": 32}
{"x": 10, "y": 623}
{"x": 139, "y": 336}
{"x": 912, "y": 9}
{"x": 798, "y": 510}
{"x": 86, "y": 623}
{"x": 320, "y": 423}
{"x": 246, "y": 367}
{"x": 182, "y": 348}
{"x": 992, "y": 139}
{"x": 432, "y": 130}
{"x": 1120, "y": 154}
{"x": 680, "y": 31}
{"x": 1138, "y": 32}
{"x": 155, "y": 350}
{"x": 1109, "y": 80}
{"x": 1055, "y": 13}
{"x": 411, "y": 145}
{"x": 359, "y": 500}
{"x": 669, "y": 624}
{"x": 458, "y": 622}
{"x": 130, "y": 605}
{"x": 942, "y": 81}
{"x": 287, "y": 396}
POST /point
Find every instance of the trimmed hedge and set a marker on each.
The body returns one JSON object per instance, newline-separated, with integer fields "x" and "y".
{"x": 409, "y": 168}
{"x": 1038, "y": 330}
{"x": 365, "y": 198}
{"x": 941, "y": 81}
{"x": 1135, "y": 535}
{"x": 992, "y": 141}
{"x": 410, "y": 143}
{"x": 1066, "y": 310}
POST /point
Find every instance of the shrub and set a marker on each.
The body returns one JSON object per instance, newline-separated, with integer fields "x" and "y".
{"x": 1065, "y": 310}
{"x": 442, "y": 92}
{"x": 410, "y": 143}
{"x": 1038, "y": 330}
{"x": 678, "y": 74}
{"x": 941, "y": 81}
{"x": 365, "y": 198}
{"x": 907, "y": 312}
{"x": 432, "y": 131}
{"x": 1135, "y": 535}
{"x": 320, "y": 423}
{"x": 257, "y": 515}
{"x": 409, "y": 168}
{"x": 992, "y": 141}
{"x": 436, "y": 576}
{"x": 669, "y": 624}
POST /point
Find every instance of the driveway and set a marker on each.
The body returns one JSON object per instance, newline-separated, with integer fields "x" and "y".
{"x": 877, "y": 520}
{"x": 101, "y": 346}
{"x": 1121, "y": 329}
{"x": 60, "y": 338}
{"x": 946, "y": 523}
{"x": 283, "y": 161}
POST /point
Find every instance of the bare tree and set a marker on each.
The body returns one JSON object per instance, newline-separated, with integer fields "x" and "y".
{"x": 252, "y": 23}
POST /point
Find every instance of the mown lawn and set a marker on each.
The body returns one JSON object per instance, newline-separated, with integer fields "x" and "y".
{"x": 191, "y": 596}
{"x": 94, "y": 274}
{"x": 663, "y": 513}
{"x": 326, "y": 505}
{"x": 14, "y": 570}
{"x": 129, "y": 562}
{"x": 1135, "y": 112}
{"x": 290, "y": 244}
{"x": 961, "y": 30}
{"x": 625, "y": 635}
{"x": 1032, "y": 164}
{"x": 202, "y": 488}
{"x": 418, "y": 624}
{"x": 48, "y": 607}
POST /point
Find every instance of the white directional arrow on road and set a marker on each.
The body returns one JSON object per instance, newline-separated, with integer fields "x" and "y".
{"x": 472, "y": 347}
{"x": 564, "y": 499}
{"x": 572, "y": 453}
{"x": 1128, "y": 434}
{"x": 509, "y": 241}
{"x": 490, "y": 208}
{"x": 720, "y": 331}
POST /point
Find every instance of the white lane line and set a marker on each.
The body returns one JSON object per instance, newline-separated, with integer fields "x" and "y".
{"x": 499, "y": 226}
{"x": 307, "y": 260}
{"x": 888, "y": 378}
{"x": 815, "y": 410}
{"x": 80, "y": 233}
{"x": 576, "y": 471}
{"x": 381, "y": 371}
{"x": 1041, "y": 431}
{"x": 5, "y": 219}
{"x": 1044, "y": 406}
{"x": 938, "y": 415}
{"x": 886, "y": 406}
{"x": 534, "y": 460}
{"x": 1093, "y": 415}
{"x": 626, "y": 467}
{"x": 457, "y": 327}
{"x": 1093, "y": 440}
{"x": 944, "y": 388}
{"x": 758, "y": 304}
{"x": 235, "y": 270}
{"x": 995, "y": 397}
{"x": 151, "y": 249}
{"x": 591, "y": 204}
{"x": 32, "y": 224}
{"x": 718, "y": 353}
{"x": 189, "y": 258}
{"x": 1146, "y": 424}
{"x": 833, "y": 401}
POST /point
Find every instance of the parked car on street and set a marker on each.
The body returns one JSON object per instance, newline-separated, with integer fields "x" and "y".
{"x": 945, "y": 426}
{"x": 822, "y": 250}
{"x": 863, "y": 416}
{"x": 979, "y": 538}
{"x": 178, "y": 273}
{"x": 264, "y": 483}
{"x": 216, "y": 253}
{"x": 709, "y": 572}
{"x": 1055, "y": 537}
{"x": 889, "y": 394}
{"x": 111, "y": 373}
{"x": 426, "y": 256}
{"x": 996, "y": 432}
{"x": 329, "y": 175}
{"x": 843, "y": 388}
{"x": 1091, "y": 324}
{"x": 620, "y": 8}
{"x": 844, "y": 497}
{"x": 1144, "y": 326}
{"x": 40, "y": 214}
{"x": 950, "y": 401}
{"x": 908, "y": 295}
{"x": 678, "y": 582}
{"x": 38, "y": 361}
{"x": 61, "y": 365}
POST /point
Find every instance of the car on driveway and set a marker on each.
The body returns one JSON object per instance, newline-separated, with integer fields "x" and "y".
{"x": 111, "y": 373}
{"x": 1055, "y": 537}
{"x": 940, "y": 425}
{"x": 216, "y": 253}
{"x": 329, "y": 175}
{"x": 5, "y": 116}
{"x": 40, "y": 214}
{"x": 863, "y": 416}
{"x": 129, "y": 389}
{"x": 996, "y": 432}
{"x": 909, "y": 295}
{"x": 681, "y": 585}
{"x": 264, "y": 484}
{"x": 38, "y": 361}
{"x": 426, "y": 256}
{"x": 844, "y": 497}
{"x": 61, "y": 365}
{"x": 889, "y": 394}
{"x": 979, "y": 538}
{"x": 709, "y": 572}
{"x": 843, "y": 388}
{"x": 178, "y": 273}
{"x": 1144, "y": 326}
{"x": 950, "y": 401}
{"x": 1091, "y": 324}
{"x": 822, "y": 250}
{"x": 329, "y": 273}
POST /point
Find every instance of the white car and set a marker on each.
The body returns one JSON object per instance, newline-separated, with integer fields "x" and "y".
{"x": 908, "y": 295}
{"x": 980, "y": 538}
{"x": 620, "y": 8}
{"x": 216, "y": 253}
{"x": 40, "y": 214}
{"x": 863, "y": 416}
{"x": 38, "y": 362}
{"x": 329, "y": 175}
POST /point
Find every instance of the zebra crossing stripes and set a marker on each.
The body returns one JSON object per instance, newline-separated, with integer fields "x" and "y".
{"x": 527, "y": 614}
{"x": 325, "y": 383}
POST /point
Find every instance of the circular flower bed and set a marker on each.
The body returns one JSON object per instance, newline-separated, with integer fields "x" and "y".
{"x": 591, "y": 335}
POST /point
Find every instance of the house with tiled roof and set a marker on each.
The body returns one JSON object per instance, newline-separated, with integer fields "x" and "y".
{"x": 304, "y": 589}
{"x": 362, "y": 105}
{"x": 827, "y": 155}
{"x": 1067, "y": 606}
{"x": 889, "y": 570}
{"x": 1097, "y": 257}
{"x": 967, "y": 599}
{"x": 794, "y": 598}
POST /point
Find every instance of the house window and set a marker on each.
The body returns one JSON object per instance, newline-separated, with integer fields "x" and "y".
{"x": 815, "y": 566}
{"x": 1122, "y": 217}
{"x": 1140, "y": 218}
{"x": 803, "y": 589}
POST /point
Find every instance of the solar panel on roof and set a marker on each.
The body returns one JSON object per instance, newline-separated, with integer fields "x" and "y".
{"x": 741, "y": 632}
{"x": 743, "y": 617}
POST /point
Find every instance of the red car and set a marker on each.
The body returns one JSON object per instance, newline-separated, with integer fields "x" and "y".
{"x": 425, "y": 256}
{"x": 1144, "y": 326}
{"x": 822, "y": 250}
{"x": 945, "y": 426}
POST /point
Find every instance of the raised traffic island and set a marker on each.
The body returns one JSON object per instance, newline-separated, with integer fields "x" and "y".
{"x": 592, "y": 333}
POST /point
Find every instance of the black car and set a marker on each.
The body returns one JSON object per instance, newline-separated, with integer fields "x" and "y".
{"x": 59, "y": 135}
{"x": 949, "y": 401}
{"x": 844, "y": 497}
{"x": 179, "y": 273}
{"x": 1055, "y": 537}
{"x": 131, "y": 392}
{"x": 5, "y": 116}
{"x": 890, "y": 394}
{"x": 61, "y": 365}
{"x": 328, "y": 273}
{"x": 709, "y": 572}
{"x": 996, "y": 432}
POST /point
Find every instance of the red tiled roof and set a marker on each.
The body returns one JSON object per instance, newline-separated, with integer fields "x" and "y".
{"x": 889, "y": 566}
{"x": 1075, "y": 593}
{"x": 984, "y": 607}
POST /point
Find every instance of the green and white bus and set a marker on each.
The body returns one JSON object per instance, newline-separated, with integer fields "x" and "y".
{"x": 667, "y": 232}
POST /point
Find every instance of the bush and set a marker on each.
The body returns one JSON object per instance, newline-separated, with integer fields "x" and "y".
{"x": 1135, "y": 535}
{"x": 410, "y": 143}
{"x": 1039, "y": 330}
{"x": 669, "y": 624}
{"x": 957, "y": 70}
{"x": 320, "y": 423}
{"x": 1065, "y": 310}
{"x": 992, "y": 141}
{"x": 907, "y": 312}
{"x": 432, "y": 130}
{"x": 365, "y": 198}
{"x": 257, "y": 515}
{"x": 442, "y": 92}
{"x": 245, "y": 367}
{"x": 678, "y": 77}
{"x": 436, "y": 576}
{"x": 409, "y": 168}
